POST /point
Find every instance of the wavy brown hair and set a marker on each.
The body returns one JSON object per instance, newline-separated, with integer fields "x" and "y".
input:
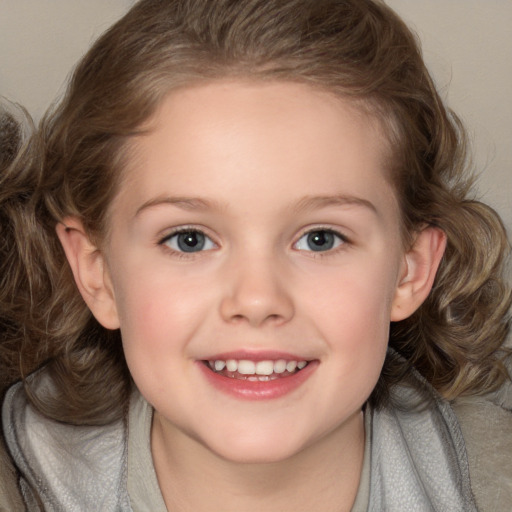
{"x": 72, "y": 165}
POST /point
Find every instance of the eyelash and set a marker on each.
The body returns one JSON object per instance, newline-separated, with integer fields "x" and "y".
{"x": 342, "y": 242}
{"x": 163, "y": 242}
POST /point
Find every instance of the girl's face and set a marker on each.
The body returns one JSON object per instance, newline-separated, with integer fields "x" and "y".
{"x": 255, "y": 263}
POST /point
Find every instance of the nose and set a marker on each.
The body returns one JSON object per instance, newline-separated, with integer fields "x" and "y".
{"x": 256, "y": 292}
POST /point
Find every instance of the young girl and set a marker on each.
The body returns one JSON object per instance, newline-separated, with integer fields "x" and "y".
{"x": 244, "y": 271}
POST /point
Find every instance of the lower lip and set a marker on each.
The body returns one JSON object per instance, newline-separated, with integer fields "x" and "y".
{"x": 258, "y": 390}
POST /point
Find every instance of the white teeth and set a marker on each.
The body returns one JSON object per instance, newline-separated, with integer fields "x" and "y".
{"x": 261, "y": 368}
{"x": 260, "y": 378}
{"x": 246, "y": 367}
{"x": 280, "y": 366}
{"x": 220, "y": 365}
{"x": 265, "y": 367}
{"x": 231, "y": 365}
{"x": 291, "y": 365}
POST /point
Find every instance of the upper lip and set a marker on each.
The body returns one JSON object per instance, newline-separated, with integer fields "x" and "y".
{"x": 257, "y": 355}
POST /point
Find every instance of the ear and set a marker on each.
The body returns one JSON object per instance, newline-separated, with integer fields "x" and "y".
{"x": 420, "y": 266}
{"x": 90, "y": 271}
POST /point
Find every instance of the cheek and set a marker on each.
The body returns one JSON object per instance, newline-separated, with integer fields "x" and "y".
{"x": 158, "y": 313}
{"x": 156, "y": 328}
{"x": 352, "y": 311}
{"x": 357, "y": 296}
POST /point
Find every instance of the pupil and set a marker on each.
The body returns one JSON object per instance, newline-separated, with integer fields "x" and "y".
{"x": 191, "y": 241}
{"x": 320, "y": 241}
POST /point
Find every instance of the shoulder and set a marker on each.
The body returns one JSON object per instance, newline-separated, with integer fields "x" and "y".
{"x": 143, "y": 487}
{"x": 70, "y": 467}
{"x": 487, "y": 430}
{"x": 10, "y": 499}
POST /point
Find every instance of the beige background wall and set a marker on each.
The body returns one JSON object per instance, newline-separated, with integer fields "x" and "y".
{"x": 467, "y": 43}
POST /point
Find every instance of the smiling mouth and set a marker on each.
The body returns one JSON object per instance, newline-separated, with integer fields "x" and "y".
{"x": 257, "y": 371}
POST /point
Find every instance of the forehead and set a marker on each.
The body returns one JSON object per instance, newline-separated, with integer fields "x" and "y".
{"x": 226, "y": 133}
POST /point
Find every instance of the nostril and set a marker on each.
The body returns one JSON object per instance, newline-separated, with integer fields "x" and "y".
{"x": 256, "y": 302}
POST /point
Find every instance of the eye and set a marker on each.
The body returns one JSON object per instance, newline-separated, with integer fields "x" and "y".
{"x": 189, "y": 240}
{"x": 320, "y": 240}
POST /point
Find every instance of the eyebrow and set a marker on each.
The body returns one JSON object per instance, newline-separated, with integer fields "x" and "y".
{"x": 313, "y": 202}
{"x": 185, "y": 203}
{"x": 306, "y": 203}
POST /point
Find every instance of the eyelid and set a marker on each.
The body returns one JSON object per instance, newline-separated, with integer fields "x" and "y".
{"x": 162, "y": 240}
{"x": 183, "y": 228}
{"x": 313, "y": 229}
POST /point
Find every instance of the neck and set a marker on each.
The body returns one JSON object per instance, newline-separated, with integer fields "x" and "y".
{"x": 323, "y": 477}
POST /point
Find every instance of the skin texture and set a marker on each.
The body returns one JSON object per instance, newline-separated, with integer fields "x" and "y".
{"x": 255, "y": 168}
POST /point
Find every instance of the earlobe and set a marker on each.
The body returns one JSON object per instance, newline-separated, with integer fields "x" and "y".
{"x": 421, "y": 264}
{"x": 89, "y": 270}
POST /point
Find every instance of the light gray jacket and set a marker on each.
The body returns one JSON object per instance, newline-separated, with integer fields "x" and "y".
{"x": 418, "y": 456}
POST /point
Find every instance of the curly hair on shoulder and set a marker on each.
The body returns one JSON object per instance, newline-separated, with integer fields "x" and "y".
{"x": 456, "y": 339}
{"x": 11, "y": 137}
{"x": 43, "y": 320}
{"x": 72, "y": 166}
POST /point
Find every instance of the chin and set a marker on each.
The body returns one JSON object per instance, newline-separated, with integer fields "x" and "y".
{"x": 255, "y": 450}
